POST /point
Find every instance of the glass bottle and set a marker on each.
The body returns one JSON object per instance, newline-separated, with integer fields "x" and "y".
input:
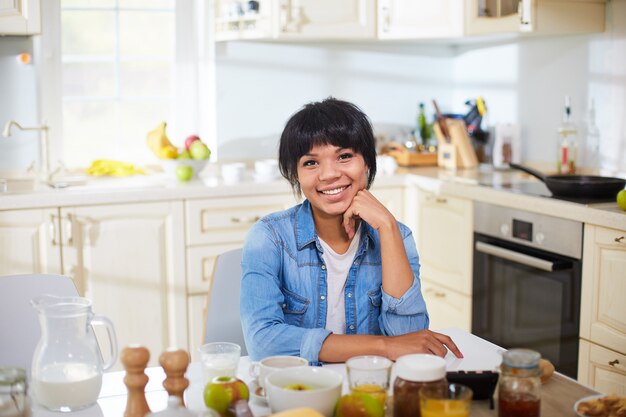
{"x": 519, "y": 386}
{"x": 412, "y": 373}
{"x": 567, "y": 142}
{"x": 422, "y": 125}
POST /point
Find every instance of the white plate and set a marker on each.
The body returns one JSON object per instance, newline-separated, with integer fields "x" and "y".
{"x": 256, "y": 393}
{"x": 582, "y": 400}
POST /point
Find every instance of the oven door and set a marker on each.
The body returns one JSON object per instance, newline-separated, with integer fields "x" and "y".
{"x": 526, "y": 298}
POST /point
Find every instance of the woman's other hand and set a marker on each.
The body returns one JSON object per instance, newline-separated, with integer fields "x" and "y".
{"x": 367, "y": 207}
{"x": 423, "y": 341}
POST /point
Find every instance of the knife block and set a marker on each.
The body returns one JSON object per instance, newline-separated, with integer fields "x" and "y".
{"x": 455, "y": 151}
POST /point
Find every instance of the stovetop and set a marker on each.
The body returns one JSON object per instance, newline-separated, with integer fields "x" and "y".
{"x": 539, "y": 189}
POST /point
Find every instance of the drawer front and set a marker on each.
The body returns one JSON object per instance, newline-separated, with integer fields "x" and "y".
{"x": 447, "y": 308}
{"x": 601, "y": 368}
{"x": 200, "y": 265}
{"x": 227, "y": 220}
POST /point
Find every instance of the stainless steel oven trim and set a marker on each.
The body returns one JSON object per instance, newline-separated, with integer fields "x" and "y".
{"x": 514, "y": 256}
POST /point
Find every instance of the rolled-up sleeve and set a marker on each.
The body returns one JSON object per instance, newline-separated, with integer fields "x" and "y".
{"x": 265, "y": 331}
{"x": 407, "y": 313}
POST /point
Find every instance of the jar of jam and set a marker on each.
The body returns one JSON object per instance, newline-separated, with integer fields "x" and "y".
{"x": 412, "y": 373}
{"x": 519, "y": 387}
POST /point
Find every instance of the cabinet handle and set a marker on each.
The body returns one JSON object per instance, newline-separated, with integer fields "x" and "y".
{"x": 614, "y": 362}
{"x": 441, "y": 200}
{"x": 53, "y": 230}
{"x": 69, "y": 229}
{"x": 249, "y": 220}
{"x": 440, "y": 294}
{"x": 619, "y": 239}
{"x": 386, "y": 19}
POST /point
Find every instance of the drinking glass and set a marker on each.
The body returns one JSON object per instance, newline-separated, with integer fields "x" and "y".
{"x": 452, "y": 400}
{"x": 219, "y": 359}
{"x": 370, "y": 375}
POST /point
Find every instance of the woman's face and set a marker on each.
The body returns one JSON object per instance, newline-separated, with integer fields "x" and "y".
{"x": 330, "y": 177}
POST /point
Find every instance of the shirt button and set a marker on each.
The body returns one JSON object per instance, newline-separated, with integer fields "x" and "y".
{"x": 349, "y": 295}
{"x": 284, "y": 305}
{"x": 323, "y": 266}
{"x": 323, "y": 297}
{"x": 351, "y": 327}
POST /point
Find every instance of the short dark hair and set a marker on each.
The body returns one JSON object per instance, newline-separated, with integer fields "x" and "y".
{"x": 328, "y": 122}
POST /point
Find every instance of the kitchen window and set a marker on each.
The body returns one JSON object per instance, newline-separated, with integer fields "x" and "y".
{"x": 112, "y": 70}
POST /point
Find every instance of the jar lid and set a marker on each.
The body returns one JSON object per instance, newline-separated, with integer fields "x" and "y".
{"x": 521, "y": 358}
{"x": 421, "y": 367}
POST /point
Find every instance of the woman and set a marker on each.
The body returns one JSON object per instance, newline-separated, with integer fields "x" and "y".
{"x": 336, "y": 276}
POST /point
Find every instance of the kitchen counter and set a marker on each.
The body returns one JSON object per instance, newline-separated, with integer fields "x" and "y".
{"x": 477, "y": 185}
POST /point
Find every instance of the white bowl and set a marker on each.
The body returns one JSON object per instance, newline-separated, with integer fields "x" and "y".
{"x": 325, "y": 389}
{"x": 232, "y": 173}
{"x": 169, "y": 166}
{"x": 266, "y": 168}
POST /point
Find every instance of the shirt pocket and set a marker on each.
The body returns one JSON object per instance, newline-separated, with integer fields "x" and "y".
{"x": 375, "y": 300}
{"x": 294, "y": 307}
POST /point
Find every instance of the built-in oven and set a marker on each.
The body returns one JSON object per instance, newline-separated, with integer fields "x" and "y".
{"x": 526, "y": 282}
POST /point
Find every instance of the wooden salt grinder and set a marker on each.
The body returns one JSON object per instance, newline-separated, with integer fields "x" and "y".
{"x": 135, "y": 359}
{"x": 174, "y": 363}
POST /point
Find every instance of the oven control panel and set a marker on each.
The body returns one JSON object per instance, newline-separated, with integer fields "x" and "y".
{"x": 538, "y": 230}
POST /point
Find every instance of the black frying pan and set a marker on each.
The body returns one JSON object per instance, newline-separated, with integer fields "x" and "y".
{"x": 580, "y": 186}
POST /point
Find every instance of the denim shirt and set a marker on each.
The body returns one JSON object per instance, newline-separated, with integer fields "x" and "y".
{"x": 283, "y": 289}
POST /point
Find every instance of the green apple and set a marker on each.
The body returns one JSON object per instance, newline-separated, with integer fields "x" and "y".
{"x": 359, "y": 405}
{"x": 184, "y": 173}
{"x": 223, "y": 391}
{"x": 184, "y": 155}
{"x": 621, "y": 199}
{"x": 199, "y": 150}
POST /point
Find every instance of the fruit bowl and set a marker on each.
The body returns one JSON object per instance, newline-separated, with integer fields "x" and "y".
{"x": 170, "y": 166}
{"x": 304, "y": 386}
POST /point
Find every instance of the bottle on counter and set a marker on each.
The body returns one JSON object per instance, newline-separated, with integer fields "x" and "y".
{"x": 567, "y": 145}
{"x": 519, "y": 384}
{"x": 412, "y": 373}
{"x": 422, "y": 125}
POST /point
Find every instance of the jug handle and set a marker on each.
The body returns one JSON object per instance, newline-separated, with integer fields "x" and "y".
{"x": 112, "y": 340}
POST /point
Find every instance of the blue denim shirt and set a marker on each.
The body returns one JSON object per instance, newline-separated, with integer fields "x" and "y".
{"x": 283, "y": 288}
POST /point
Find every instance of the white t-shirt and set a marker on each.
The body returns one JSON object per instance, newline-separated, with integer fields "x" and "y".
{"x": 337, "y": 268}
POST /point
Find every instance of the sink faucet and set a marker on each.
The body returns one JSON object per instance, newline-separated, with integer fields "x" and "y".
{"x": 44, "y": 160}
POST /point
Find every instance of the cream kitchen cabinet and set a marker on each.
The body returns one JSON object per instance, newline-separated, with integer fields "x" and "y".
{"x": 447, "y": 308}
{"x": 30, "y": 242}
{"x": 20, "y": 17}
{"x": 130, "y": 260}
{"x": 419, "y": 19}
{"x": 601, "y": 368}
{"x": 603, "y": 311}
{"x": 326, "y": 19}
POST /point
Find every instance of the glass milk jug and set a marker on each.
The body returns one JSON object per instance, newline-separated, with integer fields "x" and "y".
{"x": 67, "y": 366}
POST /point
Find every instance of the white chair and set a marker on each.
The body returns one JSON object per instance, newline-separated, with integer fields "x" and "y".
{"x": 222, "y": 322}
{"x": 19, "y": 325}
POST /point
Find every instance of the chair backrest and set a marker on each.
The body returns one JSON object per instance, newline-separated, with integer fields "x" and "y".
{"x": 222, "y": 322}
{"x": 19, "y": 325}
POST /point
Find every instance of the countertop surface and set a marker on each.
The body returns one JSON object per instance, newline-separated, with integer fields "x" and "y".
{"x": 486, "y": 185}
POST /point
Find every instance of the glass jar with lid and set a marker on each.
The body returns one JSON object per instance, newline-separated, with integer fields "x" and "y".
{"x": 412, "y": 373}
{"x": 519, "y": 387}
{"x": 14, "y": 400}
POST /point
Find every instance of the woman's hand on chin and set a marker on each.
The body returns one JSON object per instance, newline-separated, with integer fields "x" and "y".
{"x": 423, "y": 341}
{"x": 367, "y": 207}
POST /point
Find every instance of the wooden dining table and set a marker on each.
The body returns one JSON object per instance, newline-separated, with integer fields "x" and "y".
{"x": 558, "y": 394}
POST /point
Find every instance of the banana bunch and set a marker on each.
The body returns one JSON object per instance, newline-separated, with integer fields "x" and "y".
{"x": 107, "y": 167}
{"x": 159, "y": 143}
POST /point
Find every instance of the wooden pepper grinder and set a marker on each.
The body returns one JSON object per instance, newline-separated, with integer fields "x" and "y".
{"x": 175, "y": 363}
{"x": 135, "y": 359}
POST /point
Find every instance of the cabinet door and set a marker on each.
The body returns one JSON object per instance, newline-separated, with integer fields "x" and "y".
{"x": 196, "y": 306}
{"x": 30, "y": 242}
{"x": 19, "y": 17}
{"x": 326, "y": 19}
{"x": 393, "y": 199}
{"x": 444, "y": 240}
{"x": 602, "y": 369}
{"x": 494, "y": 16}
{"x": 129, "y": 259}
{"x": 447, "y": 308}
{"x": 404, "y": 19}
{"x": 603, "y": 310}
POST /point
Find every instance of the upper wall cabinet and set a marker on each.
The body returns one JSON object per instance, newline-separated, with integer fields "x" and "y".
{"x": 19, "y": 17}
{"x": 326, "y": 19}
{"x": 419, "y": 19}
{"x": 236, "y": 19}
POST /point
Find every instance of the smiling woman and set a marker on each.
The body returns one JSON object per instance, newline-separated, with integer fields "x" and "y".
{"x": 119, "y": 65}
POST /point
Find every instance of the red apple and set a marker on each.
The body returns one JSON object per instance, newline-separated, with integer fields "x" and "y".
{"x": 223, "y": 391}
{"x": 190, "y": 140}
{"x": 359, "y": 405}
